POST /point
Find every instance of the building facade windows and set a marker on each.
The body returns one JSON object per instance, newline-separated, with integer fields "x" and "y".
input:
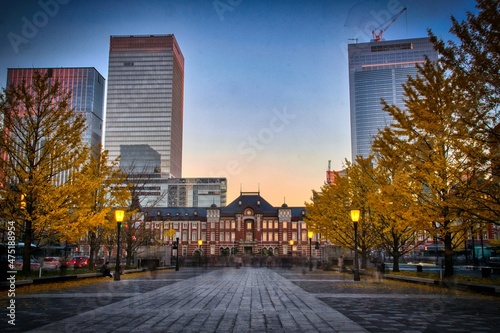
{"x": 87, "y": 88}
{"x": 243, "y": 226}
{"x": 377, "y": 70}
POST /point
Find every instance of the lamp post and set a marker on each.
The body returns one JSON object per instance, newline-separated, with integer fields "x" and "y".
{"x": 119, "y": 214}
{"x": 291, "y": 251}
{"x": 310, "y": 236}
{"x": 177, "y": 254}
{"x": 355, "y": 219}
{"x": 200, "y": 243}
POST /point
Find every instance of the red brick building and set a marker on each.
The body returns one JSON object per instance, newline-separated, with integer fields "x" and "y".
{"x": 249, "y": 225}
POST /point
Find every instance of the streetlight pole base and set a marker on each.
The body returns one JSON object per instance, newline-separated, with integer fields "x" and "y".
{"x": 177, "y": 256}
{"x": 117, "y": 267}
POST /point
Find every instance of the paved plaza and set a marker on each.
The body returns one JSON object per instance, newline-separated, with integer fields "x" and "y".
{"x": 252, "y": 300}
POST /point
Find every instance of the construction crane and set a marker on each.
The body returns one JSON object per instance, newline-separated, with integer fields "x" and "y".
{"x": 377, "y": 35}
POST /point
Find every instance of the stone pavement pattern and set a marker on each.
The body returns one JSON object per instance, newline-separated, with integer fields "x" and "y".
{"x": 226, "y": 300}
{"x": 390, "y": 306}
{"x": 253, "y": 300}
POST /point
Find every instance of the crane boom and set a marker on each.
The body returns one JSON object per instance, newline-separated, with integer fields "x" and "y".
{"x": 377, "y": 35}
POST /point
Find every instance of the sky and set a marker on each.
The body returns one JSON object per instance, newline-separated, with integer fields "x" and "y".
{"x": 266, "y": 86}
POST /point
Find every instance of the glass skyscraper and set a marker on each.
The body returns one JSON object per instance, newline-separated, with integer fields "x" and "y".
{"x": 377, "y": 70}
{"x": 145, "y": 103}
{"x": 87, "y": 94}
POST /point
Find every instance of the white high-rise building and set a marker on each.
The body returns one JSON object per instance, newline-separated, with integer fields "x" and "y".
{"x": 377, "y": 70}
{"x": 145, "y": 103}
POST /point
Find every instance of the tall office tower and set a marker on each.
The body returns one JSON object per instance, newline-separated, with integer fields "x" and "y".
{"x": 87, "y": 94}
{"x": 145, "y": 103}
{"x": 377, "y": 70}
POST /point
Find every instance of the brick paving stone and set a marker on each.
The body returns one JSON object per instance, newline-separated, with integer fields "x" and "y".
{"x": 253, "y": 300}
{"x": 246, "y": 300}
{"x": 386, "y": 306}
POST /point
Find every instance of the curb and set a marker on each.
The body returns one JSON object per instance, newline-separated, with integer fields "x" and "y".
{"x": 5, "y": 285}
{"x": 474, "y": 287}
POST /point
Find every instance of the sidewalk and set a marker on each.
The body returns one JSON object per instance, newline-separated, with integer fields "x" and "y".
{"x": 224, "y": 300}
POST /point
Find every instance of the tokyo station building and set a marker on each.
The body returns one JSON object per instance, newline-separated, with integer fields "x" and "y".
{"x": 249, "y": 225}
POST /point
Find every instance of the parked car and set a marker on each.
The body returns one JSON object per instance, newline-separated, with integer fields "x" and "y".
{"x": 34, "y": 264}
{"x": 79, "y": 262}
{"x": 64, "y": 262}
{"x": 494, "y": 262}
{"x": 51, "y": 263}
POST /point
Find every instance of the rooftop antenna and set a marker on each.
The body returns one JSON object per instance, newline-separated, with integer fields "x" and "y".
{"x": 354, "y": 39}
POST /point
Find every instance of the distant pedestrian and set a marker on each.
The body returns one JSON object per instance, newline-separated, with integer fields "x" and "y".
{"x": 238, "y": 261}
{"x": 105, "y": 270}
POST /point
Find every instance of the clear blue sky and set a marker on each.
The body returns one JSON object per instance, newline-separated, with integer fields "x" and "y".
{"x": 266, "y": 81}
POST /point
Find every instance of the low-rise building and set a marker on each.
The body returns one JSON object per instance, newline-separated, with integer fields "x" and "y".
{"x": 249, "y": 225}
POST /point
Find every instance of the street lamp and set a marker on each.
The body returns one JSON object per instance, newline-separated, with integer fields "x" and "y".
{"x": 355, "y": 219}
{"x": 177, "y": 253}
{"x": 200, "y": 243}
{"x": 310, "y": 236}
{"x": 119, "y": 214}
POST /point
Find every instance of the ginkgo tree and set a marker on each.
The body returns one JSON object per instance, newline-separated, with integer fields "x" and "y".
{"x": 446, "y": 139}
{"x": 425, "y": 142}
{"x": 54, "y": 188}
{"x": 395, "y": 219}
{"x": 474, "y": 60}
{"x": 328, "y": 213}
{"x": 388, "y": 221}
{"x": 139, "y": 175}
{"x": 41, "y": 144}
{"x": 103, "y": 190}
{"x": 438, "y": 163}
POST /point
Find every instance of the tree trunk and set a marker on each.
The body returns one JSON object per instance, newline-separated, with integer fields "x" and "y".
{"x": 129, "y": 251}
{"x": 396, "y": 254}
{"x": 93, "y": 250}
{"x": 27, "y": 238}
{"x": 364, "y": 258}
{"x": 448, "y": 256}
{"x": 395, "y": 264}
